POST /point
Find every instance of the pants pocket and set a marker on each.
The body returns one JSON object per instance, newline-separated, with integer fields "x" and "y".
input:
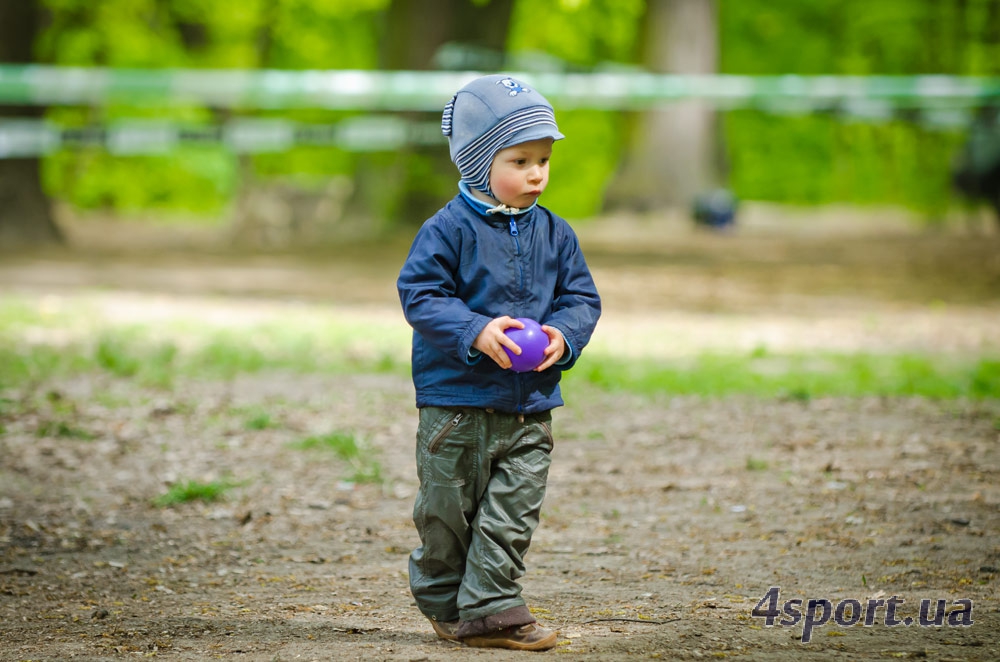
{"x": 443, "y": 457}
{"x": 436, "y": 425}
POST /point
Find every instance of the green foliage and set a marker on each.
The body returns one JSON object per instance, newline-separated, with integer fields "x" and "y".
{"x": 62, "y": 429}
{"x": 794, "y": 377}
{"x": 307, "y": 163}
{"x": 128, "y": 354}
{"x": 342, "y": 444}
{"x": 819, "y": 159}
{"x": 767, "y": 37}
{"x": 258, "y": 419}
{"x": 345, "y": 446}
{"x": 798, "y": 377}
{"x": 581, "y": 165}
{"x": 115, "y": 357}
{"x": 366, "y": 472}
{"x": 283, "y": 34}
{"x": 279, "y": 34}
{"x": 582, "y": 33}
{"x": 985, "y": 380}
{"x": 578, "y": 34}
{"x": 31, "y": 364}
{"x": 310, "y": 344}
{"x": 229, "y": 356}
{"x": 812, "y": 159}
{"x": 187, "y": 491}
{"x": 193, "y": 180}
{"x": 157, "y": 356}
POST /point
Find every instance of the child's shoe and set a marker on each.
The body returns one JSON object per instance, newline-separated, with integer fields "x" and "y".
{"x": 531, "y": 637}
{"x": 445, "y": 629}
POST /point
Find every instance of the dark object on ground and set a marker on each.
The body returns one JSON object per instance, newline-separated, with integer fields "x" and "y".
{"x": 715, "y": 209}
{"x": 976, "y": 173}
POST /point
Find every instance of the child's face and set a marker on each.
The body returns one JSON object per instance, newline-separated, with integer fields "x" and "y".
{"x": 520, "y": 173}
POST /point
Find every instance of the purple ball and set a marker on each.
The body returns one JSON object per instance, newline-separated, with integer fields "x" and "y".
{"x": 532, "y": 341}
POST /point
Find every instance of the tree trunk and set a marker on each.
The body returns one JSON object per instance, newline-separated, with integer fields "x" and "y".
{"x": 421, "y": 179}
{"x": 671, "y": 152}
{"x": 416, "y": 30}
{"x": 25, "y": 211}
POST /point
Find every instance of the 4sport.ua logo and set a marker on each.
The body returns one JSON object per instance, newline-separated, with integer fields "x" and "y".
{"x": 817, "y": 612}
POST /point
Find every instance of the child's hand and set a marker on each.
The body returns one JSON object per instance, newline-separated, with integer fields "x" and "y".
{"x": 492, "y": 339}
{"x": 554, "y": 352}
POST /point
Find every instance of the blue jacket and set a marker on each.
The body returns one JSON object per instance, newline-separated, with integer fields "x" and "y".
{"x": 466, "y": 268}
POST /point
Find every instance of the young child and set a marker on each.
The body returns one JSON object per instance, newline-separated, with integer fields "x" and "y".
{"x": 484, "y": 433}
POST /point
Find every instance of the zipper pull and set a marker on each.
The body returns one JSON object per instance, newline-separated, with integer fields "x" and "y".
{"x": 513, "y": 227}
{"x": 443, "y": 434}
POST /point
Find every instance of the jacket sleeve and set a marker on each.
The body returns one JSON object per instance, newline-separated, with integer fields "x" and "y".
{"x": 427, "y": 287}
{"x": 576, "y": 306}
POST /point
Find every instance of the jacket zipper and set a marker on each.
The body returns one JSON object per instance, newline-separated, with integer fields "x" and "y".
{"x": 443, "y": 434}
{"x": 514, "y": 232}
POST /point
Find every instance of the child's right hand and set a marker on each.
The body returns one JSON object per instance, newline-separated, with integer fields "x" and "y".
{"x": 492, "y": 339}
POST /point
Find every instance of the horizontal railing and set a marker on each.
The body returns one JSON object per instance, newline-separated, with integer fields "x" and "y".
{"x": 938, "y": 102}
{"x": 429, "y": 90}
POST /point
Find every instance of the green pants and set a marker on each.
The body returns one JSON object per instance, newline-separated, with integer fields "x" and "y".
{"x": 482, "y": 482}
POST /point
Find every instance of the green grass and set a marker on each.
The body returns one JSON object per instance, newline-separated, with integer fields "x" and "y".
{"x": 797, "y": 377}
{"x": 345, "y": 446}
{"x": 187, "y": 491}
{"x": 260, "y": 420}
{"x": 342, "y": 444}
{"x": 142, "y": 356}
{"x": 70, "y": 342}
{"x": 63, "y": 430}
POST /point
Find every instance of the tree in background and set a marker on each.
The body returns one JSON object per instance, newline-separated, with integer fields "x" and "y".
{"x": 788, "y": 158}
{"x": 410, "y": 185}
{"x": 144, "y": 34}
{"x": 671, "y": 154}
{"x": 575, "y": 36}
{"x": 203, "y": 181}
{"x": 822, "y": 158}
{"x": 25, "y": 211}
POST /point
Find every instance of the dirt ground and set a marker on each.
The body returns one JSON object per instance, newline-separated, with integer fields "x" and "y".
{"x": 667, "y": 518}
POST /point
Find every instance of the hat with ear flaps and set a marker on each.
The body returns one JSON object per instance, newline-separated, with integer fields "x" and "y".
{"x": 489, "y": 114}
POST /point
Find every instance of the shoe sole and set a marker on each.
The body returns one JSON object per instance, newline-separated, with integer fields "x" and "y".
{"x": 442, "y": 633}
{"x": 491, "y": 642}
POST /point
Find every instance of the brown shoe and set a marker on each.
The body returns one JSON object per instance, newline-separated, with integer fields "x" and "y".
{"x": 445, "y": 629}
{"x": 529, "y": 637}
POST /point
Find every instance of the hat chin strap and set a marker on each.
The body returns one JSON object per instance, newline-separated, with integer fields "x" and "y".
{"x": 484, "y": 206}
{"x": 504, "y": 209}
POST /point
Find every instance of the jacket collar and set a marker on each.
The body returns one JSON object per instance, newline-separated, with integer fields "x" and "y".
{"x": 487, "y": 209}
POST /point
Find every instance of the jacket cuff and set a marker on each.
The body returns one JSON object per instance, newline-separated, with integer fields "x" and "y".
{"x": 472, "y": 331}
{"x": 568, "y": 355}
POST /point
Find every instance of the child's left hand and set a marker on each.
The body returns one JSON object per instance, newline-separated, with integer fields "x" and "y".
{"x": 554, "y": 352}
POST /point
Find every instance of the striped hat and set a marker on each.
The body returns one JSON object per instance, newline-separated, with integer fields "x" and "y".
{"x": 489, "y": 114}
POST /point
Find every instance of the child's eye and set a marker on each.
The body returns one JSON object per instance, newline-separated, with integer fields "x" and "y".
{"x": 520, "y": 161}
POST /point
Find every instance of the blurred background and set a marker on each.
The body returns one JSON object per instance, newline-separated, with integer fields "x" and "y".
{"x": 280, "y": 123}
{"x": 206, "y": 413}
